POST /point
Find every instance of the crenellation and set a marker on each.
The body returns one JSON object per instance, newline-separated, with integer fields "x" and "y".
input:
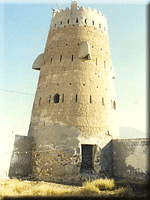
{"x": 60, "y": 19}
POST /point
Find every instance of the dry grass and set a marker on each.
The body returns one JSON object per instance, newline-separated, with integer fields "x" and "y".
{"x": 101, "y": 184}
{"x": 98, "y": 188}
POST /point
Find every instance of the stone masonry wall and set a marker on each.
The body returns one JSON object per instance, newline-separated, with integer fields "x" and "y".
{"x": 131, "y": 158}
{"x": 60, "y": 162}
{"x": 57, "y": 156}
{"x": 21, "y": 159}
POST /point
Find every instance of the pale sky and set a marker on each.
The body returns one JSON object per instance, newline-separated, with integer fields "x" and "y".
{"x": 24, "y": 28}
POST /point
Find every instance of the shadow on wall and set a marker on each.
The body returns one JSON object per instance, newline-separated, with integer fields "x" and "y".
{"x": 104, "y": 161}
{"x": 130, "y": 159}
{"x": 21, "y": 158}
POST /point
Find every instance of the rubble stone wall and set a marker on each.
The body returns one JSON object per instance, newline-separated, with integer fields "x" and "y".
{"x": 57, "y": 154}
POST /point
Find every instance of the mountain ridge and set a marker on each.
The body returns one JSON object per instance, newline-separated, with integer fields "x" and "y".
{"x": 130, "y": 132}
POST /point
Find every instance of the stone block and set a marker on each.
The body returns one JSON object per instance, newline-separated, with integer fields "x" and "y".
{"x": 58, "y": 169}
{"x": 71, "y": 170}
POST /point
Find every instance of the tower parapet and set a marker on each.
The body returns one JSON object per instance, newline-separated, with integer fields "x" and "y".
{"x": 78, "y": 16}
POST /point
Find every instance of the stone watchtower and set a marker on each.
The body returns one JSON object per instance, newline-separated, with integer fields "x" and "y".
{"x": 74, "y": 115}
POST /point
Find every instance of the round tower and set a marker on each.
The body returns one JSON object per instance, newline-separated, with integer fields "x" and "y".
{"x": 74, "y": 114}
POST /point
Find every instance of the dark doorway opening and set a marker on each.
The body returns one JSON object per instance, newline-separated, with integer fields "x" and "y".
{"x": 87, "y": 157}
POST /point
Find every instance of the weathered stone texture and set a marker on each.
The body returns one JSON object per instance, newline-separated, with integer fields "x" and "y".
{"x": 21, "y": 159}
{"x": 131, "y": 158}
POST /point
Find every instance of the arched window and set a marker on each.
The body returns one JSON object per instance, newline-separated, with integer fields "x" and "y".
{"x": 56, "y": 98}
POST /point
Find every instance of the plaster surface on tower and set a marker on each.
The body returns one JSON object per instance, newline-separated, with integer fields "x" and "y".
{"x": 74, "y": 102}
{"x": 65, "y": 73}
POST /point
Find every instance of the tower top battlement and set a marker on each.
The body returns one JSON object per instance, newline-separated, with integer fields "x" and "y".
{"x": 78, "y": 16}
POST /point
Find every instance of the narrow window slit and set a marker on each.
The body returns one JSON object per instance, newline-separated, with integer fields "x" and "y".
{"x": 60, "y": 58}
{"x": 96, "y": 61}
{"x": 90, "y": 99}
{"x": 76, "y": 97}
{"x": 40, "y": 100}
{"x": 72, "y": 57}
{"x": 49, "y": 99}
{"x": 114, "y": 105}
{"x": 104, "y": 64}
{"x": 103, "y": 101}
{"x": 76, "y": 20}
{"x": 63, "y": 98}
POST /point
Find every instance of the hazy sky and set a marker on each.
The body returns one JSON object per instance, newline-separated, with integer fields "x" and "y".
{"x": 23, "y": 34}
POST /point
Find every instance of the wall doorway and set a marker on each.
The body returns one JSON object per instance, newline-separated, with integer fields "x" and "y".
{"x": 87, "y": 157}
